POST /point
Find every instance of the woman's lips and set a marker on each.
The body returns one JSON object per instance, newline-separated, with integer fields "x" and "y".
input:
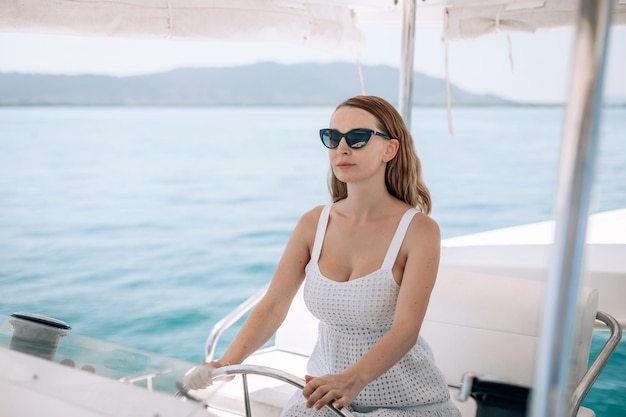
{"x": 344, "y": 165}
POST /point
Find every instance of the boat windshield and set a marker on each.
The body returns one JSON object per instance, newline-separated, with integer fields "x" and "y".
{"x": 54, "y": 341}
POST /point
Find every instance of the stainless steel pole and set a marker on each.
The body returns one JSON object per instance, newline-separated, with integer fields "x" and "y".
{"x": 551, "y": 393}
{"x": 405, "y": 96}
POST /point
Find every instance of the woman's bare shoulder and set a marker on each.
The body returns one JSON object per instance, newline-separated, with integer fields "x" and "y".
{"x": 308, "y": 221}
{"x": 312, "y": 216}
{"x": 424, "y": 229}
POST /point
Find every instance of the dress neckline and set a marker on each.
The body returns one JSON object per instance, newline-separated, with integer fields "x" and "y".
{"x": 361, "y": 278}
{"x": 317, "y": 265}
{"x": 389, "y": 259}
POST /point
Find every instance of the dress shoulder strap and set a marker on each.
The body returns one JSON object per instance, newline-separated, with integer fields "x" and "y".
{"x": 398, "y": 237}
{"x": 320, "y": 233}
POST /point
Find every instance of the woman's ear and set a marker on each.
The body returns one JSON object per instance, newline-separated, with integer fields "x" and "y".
{"x": 391, "y": 150}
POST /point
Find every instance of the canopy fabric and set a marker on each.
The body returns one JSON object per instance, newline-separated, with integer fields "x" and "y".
{"x": 471, "y": 21}
{"x": 328, "y": 24}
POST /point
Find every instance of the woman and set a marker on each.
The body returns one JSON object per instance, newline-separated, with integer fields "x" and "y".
{"x": 370, "y": 261}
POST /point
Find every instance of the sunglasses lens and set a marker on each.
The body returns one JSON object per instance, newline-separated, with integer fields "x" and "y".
{"x": 329, "y": 138}
{"x": 358, "y": 138}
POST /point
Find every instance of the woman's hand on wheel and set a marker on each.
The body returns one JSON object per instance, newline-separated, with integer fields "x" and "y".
{"x": 201, "y": 376}
{"x": 337, "y": 390}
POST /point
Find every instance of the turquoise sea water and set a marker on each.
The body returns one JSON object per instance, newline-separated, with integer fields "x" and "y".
{"x": 144, "y": 226}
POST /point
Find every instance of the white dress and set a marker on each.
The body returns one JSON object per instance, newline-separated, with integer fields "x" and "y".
{"x": 353, "y": 316}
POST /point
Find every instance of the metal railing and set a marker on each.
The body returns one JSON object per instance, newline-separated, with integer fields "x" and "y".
{"x": 230, "y": 319}
{"x": 599, "y": 362}
{"x": 146, "y": 376}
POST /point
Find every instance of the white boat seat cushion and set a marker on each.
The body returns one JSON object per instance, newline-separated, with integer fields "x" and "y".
{"x": 491, "y": 325}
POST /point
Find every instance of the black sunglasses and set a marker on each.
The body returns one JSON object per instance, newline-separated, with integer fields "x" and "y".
{"x": 355, "y": 138}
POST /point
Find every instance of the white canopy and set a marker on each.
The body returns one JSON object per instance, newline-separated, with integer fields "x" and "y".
{"x": 330, "y": 24}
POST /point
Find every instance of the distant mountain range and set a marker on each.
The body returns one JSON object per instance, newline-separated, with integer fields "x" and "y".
{"x": 258, "y": 84}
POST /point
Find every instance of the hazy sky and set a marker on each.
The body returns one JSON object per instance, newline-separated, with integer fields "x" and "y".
{"x": 541, "y": 61}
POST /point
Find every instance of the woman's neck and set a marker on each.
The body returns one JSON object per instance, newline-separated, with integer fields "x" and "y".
{"x": 368, "y": 202}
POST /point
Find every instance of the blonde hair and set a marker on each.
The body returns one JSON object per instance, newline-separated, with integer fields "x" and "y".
{"x": 403, "y": 174}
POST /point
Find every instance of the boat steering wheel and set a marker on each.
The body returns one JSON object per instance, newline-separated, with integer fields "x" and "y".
{"x": 245, "y": 370}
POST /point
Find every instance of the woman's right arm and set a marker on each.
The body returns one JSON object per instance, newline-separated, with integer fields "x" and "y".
{"x": 270, "y": 312}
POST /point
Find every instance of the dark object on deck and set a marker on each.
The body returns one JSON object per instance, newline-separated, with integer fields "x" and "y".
{"x": 498, "y": 399}
{"x": 37, "y": 335}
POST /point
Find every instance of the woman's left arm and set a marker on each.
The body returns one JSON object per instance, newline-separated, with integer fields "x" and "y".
{"x": 422, "y": 246}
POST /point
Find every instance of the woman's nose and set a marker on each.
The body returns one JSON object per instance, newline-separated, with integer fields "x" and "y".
{"x": 343, "y": 146}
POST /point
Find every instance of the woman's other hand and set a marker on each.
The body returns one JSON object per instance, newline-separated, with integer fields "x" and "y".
{"x": 337, "y": 390}
{"x": 201, "y": 376}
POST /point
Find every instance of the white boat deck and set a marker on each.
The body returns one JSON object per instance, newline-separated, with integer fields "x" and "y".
{"x": 525, "y": 252}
